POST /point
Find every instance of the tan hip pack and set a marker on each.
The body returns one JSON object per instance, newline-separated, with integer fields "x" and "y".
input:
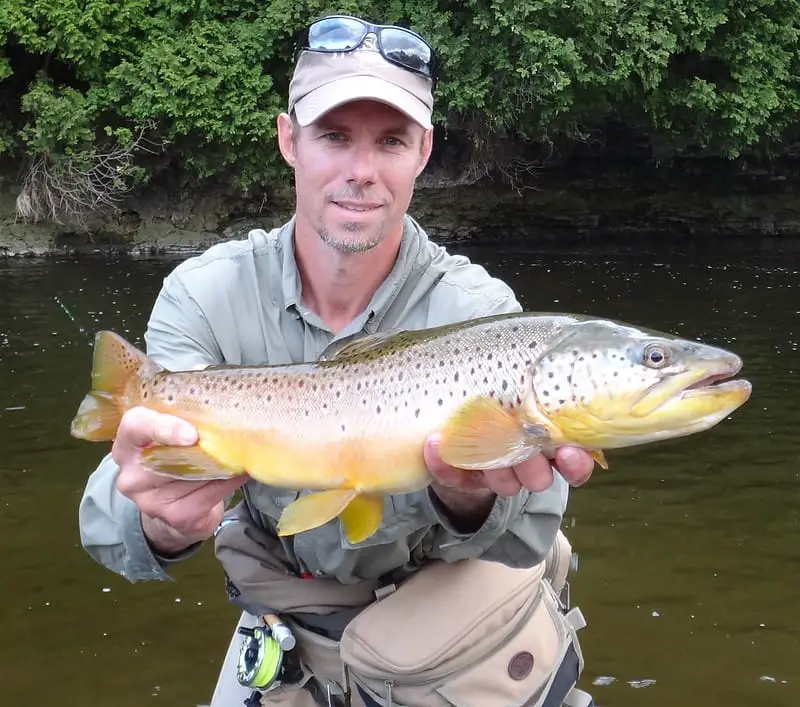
{"x": 470, "y": 634}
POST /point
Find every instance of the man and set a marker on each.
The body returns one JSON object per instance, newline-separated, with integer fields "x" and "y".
{"x": 350, "y": 262}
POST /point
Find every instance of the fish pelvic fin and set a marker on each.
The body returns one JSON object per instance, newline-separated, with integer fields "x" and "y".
{"x": 114, "y": 363}
{"x": 360, "y": 516}
{"x": 187, "y": 463}
{"x": 482, "y": 434}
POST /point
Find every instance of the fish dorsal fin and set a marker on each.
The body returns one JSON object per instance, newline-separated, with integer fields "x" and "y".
{"x": 362, "y": 345}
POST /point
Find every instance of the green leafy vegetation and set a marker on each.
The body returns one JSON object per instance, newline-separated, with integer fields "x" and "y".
{"x": 99, "y": 95}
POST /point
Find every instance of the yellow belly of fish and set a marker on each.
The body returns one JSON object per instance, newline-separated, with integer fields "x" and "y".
{"x": 365, "y": 464}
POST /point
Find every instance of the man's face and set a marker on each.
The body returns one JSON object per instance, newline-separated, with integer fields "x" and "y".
{"x": 355, "y": 170}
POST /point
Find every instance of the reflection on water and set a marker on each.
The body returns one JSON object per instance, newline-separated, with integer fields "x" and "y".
{"x": 688, "y": 557}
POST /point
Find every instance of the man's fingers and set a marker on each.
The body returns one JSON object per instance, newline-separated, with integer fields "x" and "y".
{"x": 574, "y": 464}
{"x": 141, "y": 427}
{"x": 447, "y": 475}
{"x": 535, "y": 474}
{"x": 504, "y": 482}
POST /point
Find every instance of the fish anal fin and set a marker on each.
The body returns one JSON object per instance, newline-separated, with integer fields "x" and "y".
{"x": 314, "y": 509}
{"x": 362, "y": 517}
{"x": 482, "y": 434}
{"x": 187, "y": 463}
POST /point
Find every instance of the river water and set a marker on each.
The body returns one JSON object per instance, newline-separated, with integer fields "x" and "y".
{"x": 688, "y": 558}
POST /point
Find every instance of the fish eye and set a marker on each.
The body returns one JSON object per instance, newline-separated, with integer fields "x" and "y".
{"x": 656, "y": 356}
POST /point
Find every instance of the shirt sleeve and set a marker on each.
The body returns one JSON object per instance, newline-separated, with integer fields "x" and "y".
{"x": 110, "y": 526}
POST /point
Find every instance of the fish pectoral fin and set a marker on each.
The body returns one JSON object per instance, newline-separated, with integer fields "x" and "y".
{"x": 482, "y": 434}
{"x": 187, "y": 463}
{"x": 599, "y": 457}
{"x": 313, "y": 510}
{"x": 362, "y": 517}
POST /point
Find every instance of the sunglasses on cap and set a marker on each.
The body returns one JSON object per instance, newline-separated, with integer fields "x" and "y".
{"x": 398, "y": 45}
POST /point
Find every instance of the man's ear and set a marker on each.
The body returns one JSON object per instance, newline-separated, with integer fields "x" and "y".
{"x": 286, "y": 138}
{"x": 427, "y": 147}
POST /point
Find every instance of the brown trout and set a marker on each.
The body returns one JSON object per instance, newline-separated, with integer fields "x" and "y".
{"x": 351, "y": 428}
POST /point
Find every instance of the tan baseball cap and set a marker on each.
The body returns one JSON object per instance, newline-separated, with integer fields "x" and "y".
{"x": 323, "y": 81}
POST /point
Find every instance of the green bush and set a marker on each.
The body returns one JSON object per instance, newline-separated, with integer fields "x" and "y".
{"x": 202, "y": 82}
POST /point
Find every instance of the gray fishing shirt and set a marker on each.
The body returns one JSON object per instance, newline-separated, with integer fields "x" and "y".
{"x": 240, "y": 303}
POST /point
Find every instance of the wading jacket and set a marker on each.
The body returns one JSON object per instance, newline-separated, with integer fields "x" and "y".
{"x": 240, "y": 303}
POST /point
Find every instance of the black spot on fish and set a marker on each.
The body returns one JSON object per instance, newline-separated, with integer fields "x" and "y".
{"x": 378, "y": 409}
{"x": 342, "y": 428}
{"x": 416, "y": 412}
{"x": 455, "y": 377}
{"x": 505, "y": 384}
{"x": 490, "y": 356}
{"x": 440, "y": 401}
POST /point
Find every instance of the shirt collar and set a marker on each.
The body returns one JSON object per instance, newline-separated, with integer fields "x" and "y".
{"x": 410, "y": 246}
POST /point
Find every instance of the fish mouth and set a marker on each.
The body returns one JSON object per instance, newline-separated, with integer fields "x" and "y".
{"x": 712, "y": 383}
{"x": 718, "y": 382}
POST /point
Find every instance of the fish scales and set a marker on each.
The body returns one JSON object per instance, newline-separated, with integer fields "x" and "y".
{"x": 359, "y": 415}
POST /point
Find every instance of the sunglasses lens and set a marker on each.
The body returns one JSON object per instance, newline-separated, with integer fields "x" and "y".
{"x": 407, "y": 49}
{"x": 335, "y": 34}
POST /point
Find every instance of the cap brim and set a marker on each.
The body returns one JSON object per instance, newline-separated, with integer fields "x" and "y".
{"x": 353, "y": 88}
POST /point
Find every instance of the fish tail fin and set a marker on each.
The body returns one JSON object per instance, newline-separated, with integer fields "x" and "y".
{"x": 114, "y": 363}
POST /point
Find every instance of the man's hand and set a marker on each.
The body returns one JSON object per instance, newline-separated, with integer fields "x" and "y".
{"x": 175, "y": 513}
{"x": 470, "y": 495}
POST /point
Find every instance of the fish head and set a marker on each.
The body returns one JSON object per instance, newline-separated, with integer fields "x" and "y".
{"x": 610, "y": 385}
